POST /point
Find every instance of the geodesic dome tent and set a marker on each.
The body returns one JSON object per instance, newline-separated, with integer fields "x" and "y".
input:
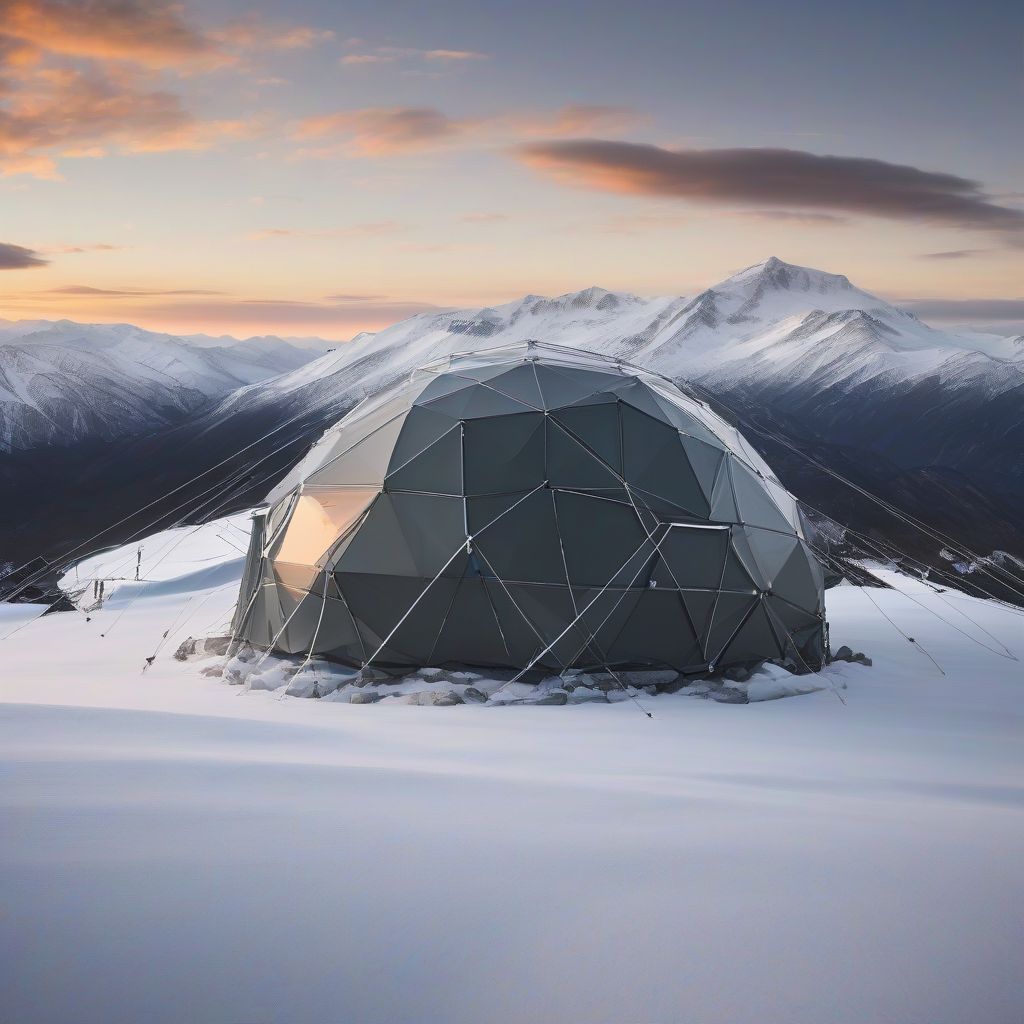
{"x": 534, "y": 508}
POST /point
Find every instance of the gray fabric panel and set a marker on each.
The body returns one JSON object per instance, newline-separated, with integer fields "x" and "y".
{"x": 521, "y": 632}
{"x": 742, "y": 570}
{"x": 656, "y": 462}
{"x": 657, "y": 633}
{"x": 694, "y": 558}
{"x": 422, "y": 426}
{"x": 572, "y": 466}
{"x": 597, "y": 426}
{"x": 523, "y": 545}
{"x": 755, "y": 506}
{"x": 476, "y": 401}
{"x": 380, "y": 602}
{"x": 519, "y": 383}
{"x": 723, "y": 503}
{"x": 700, "y": 606}
{"x": 729, "y": 613}
{"x": 771, "y": 550}
{"x": 796, "y": 582}
{"x": 471, "y": 634}
{"x": 755, "y": 640}
{"x": 337, "y": 629}
{"x": 564, "y": 386}
{"x": 685, "y": 421}
{"x": 706, "y": 461}
{"x": 437, "y": 470}
{"x": 252, "y": 575}
{"x": 638, "y": 396}
{"x": 406, "y": 535}
{"x": 598, "y": 537}
{"x": 505, "y": 453}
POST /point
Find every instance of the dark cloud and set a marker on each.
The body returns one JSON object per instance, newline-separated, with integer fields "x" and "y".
{"x": 17, "y": 257}
{"x": 776, "y": 177}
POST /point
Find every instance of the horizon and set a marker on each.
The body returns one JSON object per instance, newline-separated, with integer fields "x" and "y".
{"x": 931, "y": 313}
{"x": 243, "y": 169}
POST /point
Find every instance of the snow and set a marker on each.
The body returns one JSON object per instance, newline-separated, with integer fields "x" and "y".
{"x": 178, "y": 849}
{"x": 62, "y": 381}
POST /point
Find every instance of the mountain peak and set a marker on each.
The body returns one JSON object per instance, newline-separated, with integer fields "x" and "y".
{"x": 774, "y": 273}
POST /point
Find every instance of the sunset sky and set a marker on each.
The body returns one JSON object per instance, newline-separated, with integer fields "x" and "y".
{"x": 320, "y": 167}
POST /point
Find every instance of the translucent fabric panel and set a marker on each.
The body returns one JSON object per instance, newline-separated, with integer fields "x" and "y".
{"x": 318, "y": 520}
{"x": 365, "y": 462}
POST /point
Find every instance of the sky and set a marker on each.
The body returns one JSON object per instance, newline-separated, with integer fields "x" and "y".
{"x": 318, "y": 168}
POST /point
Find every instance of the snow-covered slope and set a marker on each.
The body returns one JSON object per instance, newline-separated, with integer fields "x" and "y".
{"x": 178, "y": 849}
{"x": 62, "y": 382}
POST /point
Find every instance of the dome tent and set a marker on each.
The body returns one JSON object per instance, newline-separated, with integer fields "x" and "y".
{"x": 534, "y": 507}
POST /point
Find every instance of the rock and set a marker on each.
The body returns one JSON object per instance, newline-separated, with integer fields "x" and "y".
{"x": 552, "y": 697}
{"x": 843, "y": 654}
{"x": 586, "y": 695}
{"x": 737, "y": 674}
{"x": 863, "y": 659}
{"x": 212, "y": 670}
{"x": 607, "y": 685}
{"x": 674, "y": 687}
{"x": 445, "y": 699}
{"x": 648, "y": 677}
{"x": 369, "y": 676}
{"x": 471, "y": 695}
{"x": 727, "y": 695}
{"x": 617, "y": 696}
{"x": 186, "y": 649}
{"x": 366, "y": 697}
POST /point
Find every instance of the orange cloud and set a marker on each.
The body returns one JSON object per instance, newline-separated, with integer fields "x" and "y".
{"x": 72, "y": 113}
{"x": 390, "y": 131}
{"x": 151, "y": 33}
{"x": 381, "y": 131}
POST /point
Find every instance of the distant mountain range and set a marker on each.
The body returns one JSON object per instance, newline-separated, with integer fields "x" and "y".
{"x": 62, "y": 382}
{"x": 930, "y": 420}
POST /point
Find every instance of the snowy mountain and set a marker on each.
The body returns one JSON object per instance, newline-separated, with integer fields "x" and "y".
{"x": 62, "y": 382}
{"x": 930, "y": 420}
